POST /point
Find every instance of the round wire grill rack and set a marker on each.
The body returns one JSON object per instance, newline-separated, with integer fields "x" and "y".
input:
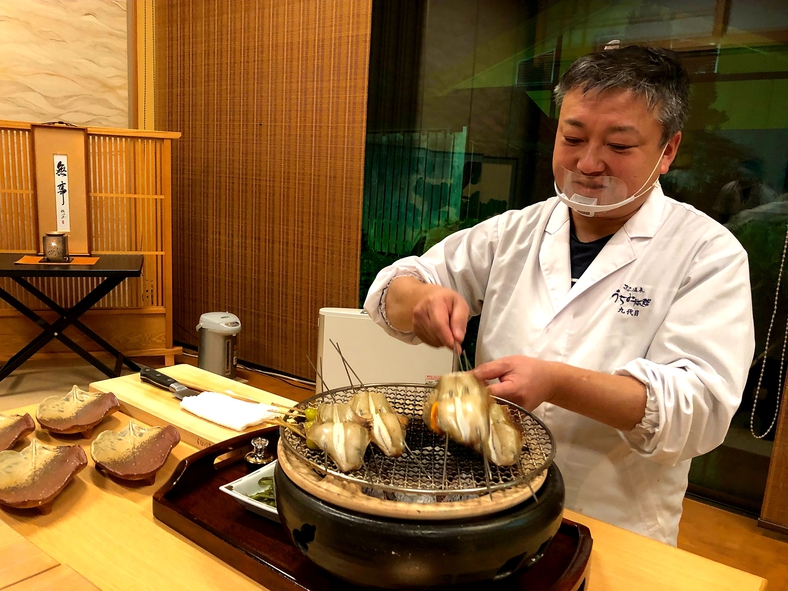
{"x": 431, "y": 464}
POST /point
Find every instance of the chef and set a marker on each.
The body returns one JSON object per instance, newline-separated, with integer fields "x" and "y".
{"x": 621, "y": 317}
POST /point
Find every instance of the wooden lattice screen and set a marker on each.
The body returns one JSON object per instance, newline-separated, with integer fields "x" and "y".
{"x": 129, "y": 207}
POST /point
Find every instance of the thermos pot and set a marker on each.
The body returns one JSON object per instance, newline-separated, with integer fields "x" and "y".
{"x": 218, "y": 352}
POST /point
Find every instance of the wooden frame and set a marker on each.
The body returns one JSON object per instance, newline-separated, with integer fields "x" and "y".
{"x": 51, "y": 142}
{"x": 774, "y": 513}
{"x": 129, "y": 212}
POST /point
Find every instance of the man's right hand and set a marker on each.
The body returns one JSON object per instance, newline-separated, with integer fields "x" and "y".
{"x": 435, "y": 314}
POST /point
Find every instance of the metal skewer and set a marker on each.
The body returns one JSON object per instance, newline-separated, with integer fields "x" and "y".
{"x": 445, "y": 459}
{"x": 348, "y": 367}
{"x": 345, "y": 364}
{"x": 467, "y": 363}
{"x": 418, "y": 462}
{"x": 487, "y": 475}
{"x": 323, "y": 385}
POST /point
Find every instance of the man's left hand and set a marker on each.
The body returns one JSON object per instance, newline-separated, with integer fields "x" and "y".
{"x": 523, "y": 380}
{"x": 616, "y": 400}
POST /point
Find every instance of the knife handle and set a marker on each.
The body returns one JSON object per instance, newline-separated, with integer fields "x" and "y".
{"x": 151, "y": 376}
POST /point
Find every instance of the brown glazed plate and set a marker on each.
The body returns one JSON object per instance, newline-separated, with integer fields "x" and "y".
{"x": 13, "y": 428}
{"x": 135, "y": 452}
{"x": 33, "y": 477}
{"x": 76, "y": 412}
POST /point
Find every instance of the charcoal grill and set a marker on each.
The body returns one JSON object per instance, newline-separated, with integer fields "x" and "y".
{"x": 433, "y": 517}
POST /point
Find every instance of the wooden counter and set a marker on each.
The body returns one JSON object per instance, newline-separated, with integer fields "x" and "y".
{"x": 107, "y": 533}
{"x": 154, "y": 406}
{"x": 30, "y": 568}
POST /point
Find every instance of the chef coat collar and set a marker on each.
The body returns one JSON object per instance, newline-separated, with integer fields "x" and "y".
{"x": 643, "y": 224}
{"x": 647, "y": 219}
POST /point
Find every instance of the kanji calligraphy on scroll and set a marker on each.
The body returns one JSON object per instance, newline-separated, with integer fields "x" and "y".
{"x": 62, "y": 205}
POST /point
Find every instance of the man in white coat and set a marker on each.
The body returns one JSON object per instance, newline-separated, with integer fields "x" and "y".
{"x": 621, "y": 317}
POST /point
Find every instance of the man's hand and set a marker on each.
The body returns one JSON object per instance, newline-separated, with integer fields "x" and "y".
{"x": 523, "y": 380}
{"x": 438, "y": 316}
{"x": 615, "y": 400}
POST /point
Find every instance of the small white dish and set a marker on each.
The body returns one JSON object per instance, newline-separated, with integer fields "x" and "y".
{"x": 243, "y": 487}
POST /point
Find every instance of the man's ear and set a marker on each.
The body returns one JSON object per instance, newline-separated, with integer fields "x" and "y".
{"x": 670, "y": 153}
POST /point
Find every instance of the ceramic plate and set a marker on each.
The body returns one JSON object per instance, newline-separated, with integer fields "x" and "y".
{"x": 76, "y": 412}
{"x": 13, "y": 428}
{"x": 37, "y": 474}
{"x": 243, "y": 487}
{"x": 135, "y": 452}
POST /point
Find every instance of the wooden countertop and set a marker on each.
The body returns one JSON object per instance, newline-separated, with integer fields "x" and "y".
{"x": 154, "y": 406}
{"x": 106, "y": 532}
{"x": 31, "y": 568}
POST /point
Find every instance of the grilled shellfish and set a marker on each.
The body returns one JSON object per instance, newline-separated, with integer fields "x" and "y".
{"x": 336, "y": 431}
{"x": 386, "y": 427}
{"x": 505, "y": 441}
{"x": 338, "y": 412}
{"x": 459, "y": 406}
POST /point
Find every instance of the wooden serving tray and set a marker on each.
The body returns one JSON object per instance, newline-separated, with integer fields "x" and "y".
{"x": 191, "y": 503}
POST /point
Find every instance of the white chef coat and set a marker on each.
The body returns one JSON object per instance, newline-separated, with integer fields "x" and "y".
{"x": 666, "y": 301}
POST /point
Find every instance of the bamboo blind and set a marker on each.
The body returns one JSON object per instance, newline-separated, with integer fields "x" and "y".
{"x": 129, "y": 205}
{"x": 268, "y": 180}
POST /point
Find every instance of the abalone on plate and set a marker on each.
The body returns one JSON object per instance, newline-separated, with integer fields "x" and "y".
{"x": 33, "y": 477}
{"x": 76, "y": 412}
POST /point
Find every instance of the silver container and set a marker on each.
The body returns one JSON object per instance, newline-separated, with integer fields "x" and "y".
{"x": 218, "y": 352}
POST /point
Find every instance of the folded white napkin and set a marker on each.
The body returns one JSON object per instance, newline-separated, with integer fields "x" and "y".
{"x": 227, "y": 411}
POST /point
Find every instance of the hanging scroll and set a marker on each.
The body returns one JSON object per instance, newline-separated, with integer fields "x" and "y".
{"x": 60, "y": 156}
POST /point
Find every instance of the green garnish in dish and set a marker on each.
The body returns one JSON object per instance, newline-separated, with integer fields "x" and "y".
{"x": 266, "y": 493}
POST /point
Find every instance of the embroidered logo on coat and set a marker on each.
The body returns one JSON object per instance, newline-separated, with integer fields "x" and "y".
{"x": 630, "y": 299}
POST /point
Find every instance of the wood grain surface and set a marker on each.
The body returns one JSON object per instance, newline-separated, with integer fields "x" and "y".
{"x": 155, "y": 406}
{"x": 62, "y": 578}
{"x": 21, "y": 558}
{"x": 25, "y": 567}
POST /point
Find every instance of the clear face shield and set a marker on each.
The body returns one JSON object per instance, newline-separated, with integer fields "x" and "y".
{"x": 591, "y": 194}
{"x": 588, "y": 195}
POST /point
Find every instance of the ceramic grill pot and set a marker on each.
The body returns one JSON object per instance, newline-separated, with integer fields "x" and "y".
{"x": 393, "y": 553}
{"x": 435, "y": 516}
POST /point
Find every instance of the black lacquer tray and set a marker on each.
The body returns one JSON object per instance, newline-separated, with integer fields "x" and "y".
{"x": 191, "y": 503}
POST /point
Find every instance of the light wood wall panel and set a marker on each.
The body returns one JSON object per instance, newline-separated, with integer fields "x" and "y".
{"x": 268, "y": 177}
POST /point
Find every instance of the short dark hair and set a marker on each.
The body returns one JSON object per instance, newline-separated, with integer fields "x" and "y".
{"x": 651, "y": 73}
